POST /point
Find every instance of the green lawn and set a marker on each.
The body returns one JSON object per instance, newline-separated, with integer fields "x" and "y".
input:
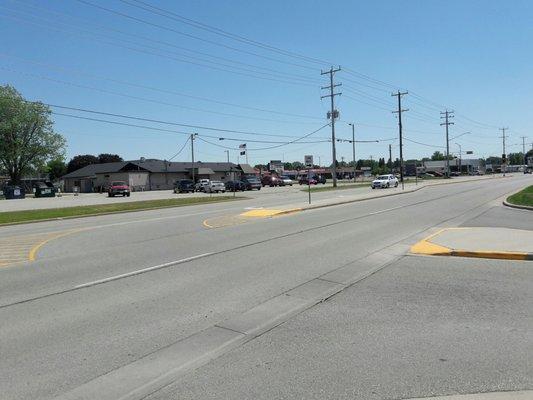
{"x": 321, "y": 188}
{"x": 522, "y": 198}
{"x": 80, "y": 211}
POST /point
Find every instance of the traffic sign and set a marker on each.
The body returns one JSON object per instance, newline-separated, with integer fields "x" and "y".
{"x": 308, "y": 161}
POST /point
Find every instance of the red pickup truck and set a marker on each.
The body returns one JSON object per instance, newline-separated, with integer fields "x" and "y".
{"x": 118, "y": 187}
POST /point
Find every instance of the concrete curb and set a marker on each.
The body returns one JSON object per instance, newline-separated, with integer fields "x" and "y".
{"x": 512, "y": 395}
{"x": 506, "y": 203}
{"x": 426, "y": 247}
{"x": 446, "y": 182}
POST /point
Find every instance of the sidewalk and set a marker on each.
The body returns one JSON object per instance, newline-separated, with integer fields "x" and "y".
{"x": 480, "y": 242}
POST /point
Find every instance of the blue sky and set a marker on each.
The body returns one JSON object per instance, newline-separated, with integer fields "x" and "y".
{"x": 472, "y": 56}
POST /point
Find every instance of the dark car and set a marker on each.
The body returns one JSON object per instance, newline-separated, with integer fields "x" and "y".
{"x": 184, "y": 186}
{"x": 235, "y": 186}
{"x": 304, "y": 180}
{"x": 251, "y": 182}
{"x": 270, "y": 180}
{"x": 320, "y": 179}
{"x": 118, "y": 187}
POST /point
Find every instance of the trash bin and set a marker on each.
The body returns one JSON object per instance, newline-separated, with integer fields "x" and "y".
{"x": 44, "y": 189}
{"x": 12, "y": 192}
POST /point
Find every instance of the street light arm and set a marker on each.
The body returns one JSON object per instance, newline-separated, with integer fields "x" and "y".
{"x": 462, "y": 134}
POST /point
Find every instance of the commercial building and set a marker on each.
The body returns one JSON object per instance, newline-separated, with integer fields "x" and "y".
{"x": 149, "y": 174}
{"x": 462, "y": 166}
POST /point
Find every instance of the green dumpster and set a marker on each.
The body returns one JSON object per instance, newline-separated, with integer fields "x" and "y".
{"x": 44, "y": 189}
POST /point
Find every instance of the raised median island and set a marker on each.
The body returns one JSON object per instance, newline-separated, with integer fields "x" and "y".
{"x": 522, "y": 198}
{"x": 13, "y": 217}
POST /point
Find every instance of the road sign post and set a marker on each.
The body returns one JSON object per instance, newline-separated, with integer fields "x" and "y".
{"x": 308, "y": 161}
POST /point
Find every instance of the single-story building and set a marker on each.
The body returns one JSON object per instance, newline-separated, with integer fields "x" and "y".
{"x": 463, "y": 166}
{"x": 149, "y": 174}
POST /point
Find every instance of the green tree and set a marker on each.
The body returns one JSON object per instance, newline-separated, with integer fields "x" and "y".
{"x": 56, "y": 168}
{"x": 27, "y": 138}
{"x": 438, "y": 156}
{"x": 81, "y": 161}
{"x": 107, "y": 158}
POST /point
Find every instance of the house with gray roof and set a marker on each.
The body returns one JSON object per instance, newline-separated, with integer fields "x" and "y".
{"x": 149, "y": 174}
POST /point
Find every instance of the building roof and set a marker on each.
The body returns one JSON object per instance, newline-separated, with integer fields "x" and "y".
{"x": 247, "y": 169}
{"x": 150, "y": 165}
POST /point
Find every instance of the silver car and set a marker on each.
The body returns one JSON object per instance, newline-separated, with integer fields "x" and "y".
{"x": 385, "y": 181}
{"x": 215, "y": 187}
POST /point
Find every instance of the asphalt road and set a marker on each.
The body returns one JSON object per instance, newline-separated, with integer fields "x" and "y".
{"x": 70, "y": 317}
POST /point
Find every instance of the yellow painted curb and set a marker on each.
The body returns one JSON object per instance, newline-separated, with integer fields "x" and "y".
{"x": 426, "y": 247}
{"x": 261, "y": 213}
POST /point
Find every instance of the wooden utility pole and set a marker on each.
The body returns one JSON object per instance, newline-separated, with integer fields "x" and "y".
{"x": 447, "y": 115}
{"x": 332, "y": 114}
{"x": 399, "y": 112}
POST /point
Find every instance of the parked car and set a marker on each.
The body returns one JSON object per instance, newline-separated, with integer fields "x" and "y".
{"x": 270, "y": 180}
{"x": 284, "y": 180}
{"x": 320, "y": 179}
{"x": 251, "y": 182}
{"x": 184, "y": 186}
{"x": 384, "y": 181}
{"x": 304, "y": 180}
{"x": 235, "y": 186}
{"x": 201, "y": 184}
{"x": 118, "y": 187}
{"x": 215, "y": 187}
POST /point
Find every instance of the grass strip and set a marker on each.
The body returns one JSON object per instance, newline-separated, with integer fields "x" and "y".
{"x": 339, "y": 187}
{"x": 522, "y": 198}
{"x": 10, "y": 217}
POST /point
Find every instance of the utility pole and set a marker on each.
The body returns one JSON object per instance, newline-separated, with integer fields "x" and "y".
{"x": 461, "y": 160}
{"x": 399, "y": 112}
{"x": 524, "y": 151}
{"x": 504, "y": 154}
{"x": 193, "y": 136}
{"x": 390, "y": 157}
{"x": 353, "y": 149}
{"x": 332, "y": 114}
{"x": 447, "y": 115}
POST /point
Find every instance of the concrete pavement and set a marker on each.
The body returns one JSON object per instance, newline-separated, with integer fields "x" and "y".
{"x": 61, "y": 332}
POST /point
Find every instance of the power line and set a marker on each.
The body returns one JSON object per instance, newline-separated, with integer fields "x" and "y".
{"x": 139, "y": 98}
{"x": 180, "y": 150}
{"x": 156, "y": 89}
{"x": 234, "y": 70}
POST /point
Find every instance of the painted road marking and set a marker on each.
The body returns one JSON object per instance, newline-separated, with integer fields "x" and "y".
{"x": 141, "y": 271}
{"x": 19, "y": 249}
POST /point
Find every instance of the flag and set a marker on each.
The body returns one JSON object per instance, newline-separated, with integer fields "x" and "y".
{"x": 242, "y": 146}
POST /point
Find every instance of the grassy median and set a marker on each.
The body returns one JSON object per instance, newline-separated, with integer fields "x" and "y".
{"x": 11, "y": 217}
{"x": 522, "y": 198}
{"x": 339, "y": 187}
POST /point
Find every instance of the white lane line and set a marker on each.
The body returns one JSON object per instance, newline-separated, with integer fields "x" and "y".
{"x": 141, "y": 271}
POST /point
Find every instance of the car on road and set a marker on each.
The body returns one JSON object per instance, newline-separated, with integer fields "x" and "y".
{"x": 215, "y": 187}
{"x": 270, "y": 180}
{"x": 284, "y": 180}
{"x": 201, "y": 185}
{"x": 184, "y": 186}
{"x": 320, "y": 179}
{"x": 251, "y": 182}
{"x": 118, "y": 188}
{"x": 384, "y": 181}
{"x": 235, "y": 186}
{"x": 304, "y": 180}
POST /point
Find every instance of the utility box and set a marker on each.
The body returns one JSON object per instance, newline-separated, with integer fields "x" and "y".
{"x": 44, "y": 189}
{"x": 12, "y": 192}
